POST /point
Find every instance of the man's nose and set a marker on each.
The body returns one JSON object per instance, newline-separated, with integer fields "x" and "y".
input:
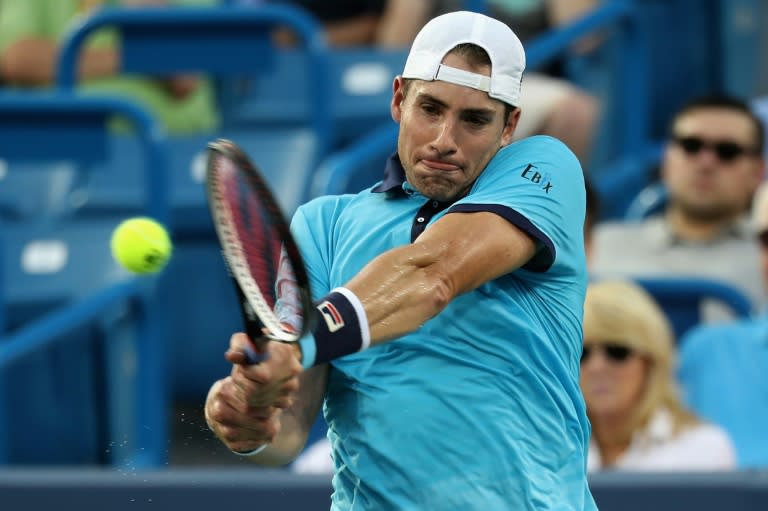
{"x": 445, "y": 140}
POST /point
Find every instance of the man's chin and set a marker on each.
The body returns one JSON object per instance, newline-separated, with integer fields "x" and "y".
{"x": 439, "y": 189}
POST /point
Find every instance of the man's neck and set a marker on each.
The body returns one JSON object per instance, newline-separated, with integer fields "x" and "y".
{"x": 690, "y": 229}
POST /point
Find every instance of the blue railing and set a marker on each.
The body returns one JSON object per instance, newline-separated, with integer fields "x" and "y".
{"x": 38, "y": 127}
{"x": 233, "y": 40}
{"x": 67, "y": 125}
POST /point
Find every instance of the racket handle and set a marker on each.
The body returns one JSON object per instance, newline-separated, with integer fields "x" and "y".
{"x": 252, "y": 356}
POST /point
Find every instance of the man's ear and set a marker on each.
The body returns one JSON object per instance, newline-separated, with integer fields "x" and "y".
{"x": 509, "y": 128}
{"x": 398, "y": 96}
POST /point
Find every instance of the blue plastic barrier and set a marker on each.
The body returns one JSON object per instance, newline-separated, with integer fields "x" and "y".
{"x": 682, "y": 299}
{"x": 81, "y": 349}
{"x": 228, "y": 42}
{"x": 203, "y": 489}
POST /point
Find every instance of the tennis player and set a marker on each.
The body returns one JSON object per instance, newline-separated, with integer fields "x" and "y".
{"x": 469, "y": 257}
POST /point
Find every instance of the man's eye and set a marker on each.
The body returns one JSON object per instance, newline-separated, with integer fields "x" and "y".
{"x": 430, "y": 109}
{"x": 476, "y": 121}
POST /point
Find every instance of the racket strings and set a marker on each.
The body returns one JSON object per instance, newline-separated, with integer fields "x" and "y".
{"x": 258, "y": 247}
{"x": 257, "y": 244}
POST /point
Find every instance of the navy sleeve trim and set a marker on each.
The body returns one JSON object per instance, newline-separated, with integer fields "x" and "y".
{"x": 545, "y": 255}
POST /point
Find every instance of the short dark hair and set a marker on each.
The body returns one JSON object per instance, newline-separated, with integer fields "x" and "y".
{"x": 728, "y": 103}
{"x": 477, "y": 57}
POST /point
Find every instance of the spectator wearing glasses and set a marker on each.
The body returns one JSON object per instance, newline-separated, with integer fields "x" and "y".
{"x": 723, "y": 367}
{"x": 711, "y": 166}
{"x": 627, "y": 378}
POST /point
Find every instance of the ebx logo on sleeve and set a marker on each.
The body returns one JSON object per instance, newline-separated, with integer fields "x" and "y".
{"x": 333, "y": 319}
{"x": 534, "y": 176}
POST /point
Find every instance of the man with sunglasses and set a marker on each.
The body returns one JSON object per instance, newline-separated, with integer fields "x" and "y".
{"x": 711, "y": 166}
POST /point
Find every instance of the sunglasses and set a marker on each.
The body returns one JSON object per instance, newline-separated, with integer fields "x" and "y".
{"x": 726, "y": 151}
{"x": 614, "y": 352}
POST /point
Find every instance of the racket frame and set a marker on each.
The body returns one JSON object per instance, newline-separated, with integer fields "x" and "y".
{"x": 254, "y": 301}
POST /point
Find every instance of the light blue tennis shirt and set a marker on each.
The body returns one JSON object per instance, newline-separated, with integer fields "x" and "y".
{"x": 479, "y": 409}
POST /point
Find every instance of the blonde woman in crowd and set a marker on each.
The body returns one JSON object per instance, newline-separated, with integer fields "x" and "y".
{"x": 627, "y": 377}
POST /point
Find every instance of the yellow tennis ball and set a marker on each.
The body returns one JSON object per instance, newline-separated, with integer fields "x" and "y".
{"x": 141, "y": 245}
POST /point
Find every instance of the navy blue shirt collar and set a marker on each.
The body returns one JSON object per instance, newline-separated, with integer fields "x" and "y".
{"x": 394, "y": 175}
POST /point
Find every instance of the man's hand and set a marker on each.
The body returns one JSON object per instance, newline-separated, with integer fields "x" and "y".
{"x": 244, "y": 409}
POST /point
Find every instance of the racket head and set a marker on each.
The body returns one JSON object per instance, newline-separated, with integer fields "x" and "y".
{"x": 260, "y": 253}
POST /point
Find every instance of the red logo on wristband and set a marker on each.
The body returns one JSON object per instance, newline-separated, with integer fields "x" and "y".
{"x": 331, "y": 316}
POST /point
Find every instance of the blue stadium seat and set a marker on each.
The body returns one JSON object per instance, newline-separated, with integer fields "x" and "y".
{"x": 740, "y": 33}
{"x": 649, "y": 201}
{"x": 360, "y": 90}
{"x": 683, "y": 299}
{"x": 80, "y": 341}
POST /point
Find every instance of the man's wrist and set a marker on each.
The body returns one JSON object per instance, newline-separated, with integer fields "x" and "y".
{"x": 252, "y": 452}
{"x": 341, "y": 329}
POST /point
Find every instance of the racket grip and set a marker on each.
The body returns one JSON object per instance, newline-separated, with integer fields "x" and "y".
{"x": 252, "y": 356}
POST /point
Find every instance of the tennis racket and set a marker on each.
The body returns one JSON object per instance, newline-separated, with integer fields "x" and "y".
{"x": 258, "y": 249}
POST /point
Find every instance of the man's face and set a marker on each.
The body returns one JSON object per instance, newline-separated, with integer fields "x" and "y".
{"x": 448, "y": 133}
{"x": 703, "y": 185}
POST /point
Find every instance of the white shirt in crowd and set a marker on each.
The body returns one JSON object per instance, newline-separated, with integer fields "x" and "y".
{"x": 316, "y": 459}
{"x": 701, "y": 447}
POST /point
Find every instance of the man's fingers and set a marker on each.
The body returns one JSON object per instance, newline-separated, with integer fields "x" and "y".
{"x": 236, "y": 357}
{"x": 237, "y": 424}
{"x": 243, "y": 350}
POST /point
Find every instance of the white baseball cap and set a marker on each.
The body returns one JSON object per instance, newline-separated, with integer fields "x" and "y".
{"x": 443, "y": 33}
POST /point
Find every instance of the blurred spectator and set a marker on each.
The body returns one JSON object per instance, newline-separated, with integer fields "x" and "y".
{"x": 346, "y": 22}
{"x": 711, "y": 166}
{"x": 32, "y": 30}
{"x": 316, "y": 459}
{"x": 723, "y": 368}
{"x": 627, "y": 378}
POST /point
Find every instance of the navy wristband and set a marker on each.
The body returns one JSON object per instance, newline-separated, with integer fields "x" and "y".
{"x": 341, "y": 328}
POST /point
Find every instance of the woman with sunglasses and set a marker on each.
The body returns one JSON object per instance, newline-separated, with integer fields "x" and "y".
{"x": 627, "y": 378}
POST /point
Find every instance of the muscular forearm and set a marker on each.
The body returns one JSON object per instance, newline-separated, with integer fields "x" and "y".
{"x": 286, "y": 446}
{"x": 296, "y": 420}
{"x": 423, "y": 290}
{"x": 404, "y": 287}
